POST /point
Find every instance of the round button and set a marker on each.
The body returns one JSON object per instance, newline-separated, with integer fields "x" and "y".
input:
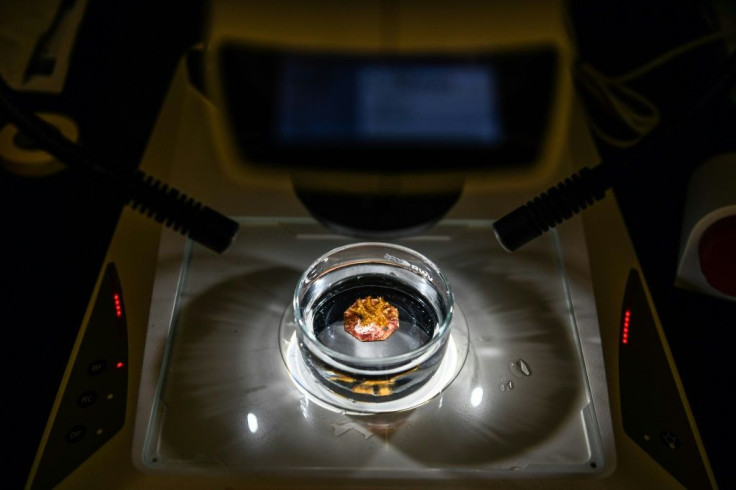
{"x": 96, "y": 367}
{"x": 87, "y": 399}
{"x": 75, "y": 434}
{"x": 717, "y": 251}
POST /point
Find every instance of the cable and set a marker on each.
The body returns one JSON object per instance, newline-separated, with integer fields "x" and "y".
{"x": 588, "y": 186}
{"x": 635, "y": 111}
{"x": 147, "y": 195}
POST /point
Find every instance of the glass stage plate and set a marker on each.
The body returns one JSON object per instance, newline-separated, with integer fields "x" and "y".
{"x": 517, "y": 402}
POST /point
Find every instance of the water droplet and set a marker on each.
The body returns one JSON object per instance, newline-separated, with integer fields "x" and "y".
{"x": 506, "y": 386}
{"x": 520, "y": 368}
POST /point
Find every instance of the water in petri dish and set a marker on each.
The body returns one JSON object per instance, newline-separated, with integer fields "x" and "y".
{"x": 417, "y": 319}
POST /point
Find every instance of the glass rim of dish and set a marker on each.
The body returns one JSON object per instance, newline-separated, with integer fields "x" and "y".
{"x": 397, "y": 363}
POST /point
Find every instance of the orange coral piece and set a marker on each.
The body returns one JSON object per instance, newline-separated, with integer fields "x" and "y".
{"x": 370, "y": 319}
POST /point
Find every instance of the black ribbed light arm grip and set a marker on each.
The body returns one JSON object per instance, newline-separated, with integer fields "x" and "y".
{"x": 550, "y": 208}
{"x": 180, "y": 212}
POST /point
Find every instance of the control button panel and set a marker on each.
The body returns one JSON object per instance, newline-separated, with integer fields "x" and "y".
{"x": 652, "y": 409}
{"x": 92, "y": 407}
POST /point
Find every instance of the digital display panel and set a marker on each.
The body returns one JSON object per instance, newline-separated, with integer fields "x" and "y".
{"x": 387, "y": 103}
{"x": 388, "y": 111}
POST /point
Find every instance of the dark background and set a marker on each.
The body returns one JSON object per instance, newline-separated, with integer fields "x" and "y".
{"x": 55, "y": 231}
{"x": 617, "y": 37}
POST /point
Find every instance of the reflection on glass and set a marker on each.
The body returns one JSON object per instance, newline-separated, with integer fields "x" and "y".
{"x": 252, "y": 423}
{"x": 476, "y": 396}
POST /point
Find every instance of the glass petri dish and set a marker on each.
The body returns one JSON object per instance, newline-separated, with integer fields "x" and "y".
{"x": 372, "y": 371}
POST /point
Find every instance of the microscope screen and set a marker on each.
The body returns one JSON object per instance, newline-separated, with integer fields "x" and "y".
{"x": 427, "y": 103}
{"x": 324, "y": 101}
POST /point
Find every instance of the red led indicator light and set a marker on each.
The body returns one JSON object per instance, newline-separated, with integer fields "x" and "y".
{"x": 627, "y": 320}
{"x": 118, "y": 305}
{"x": 119, "y": 365}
